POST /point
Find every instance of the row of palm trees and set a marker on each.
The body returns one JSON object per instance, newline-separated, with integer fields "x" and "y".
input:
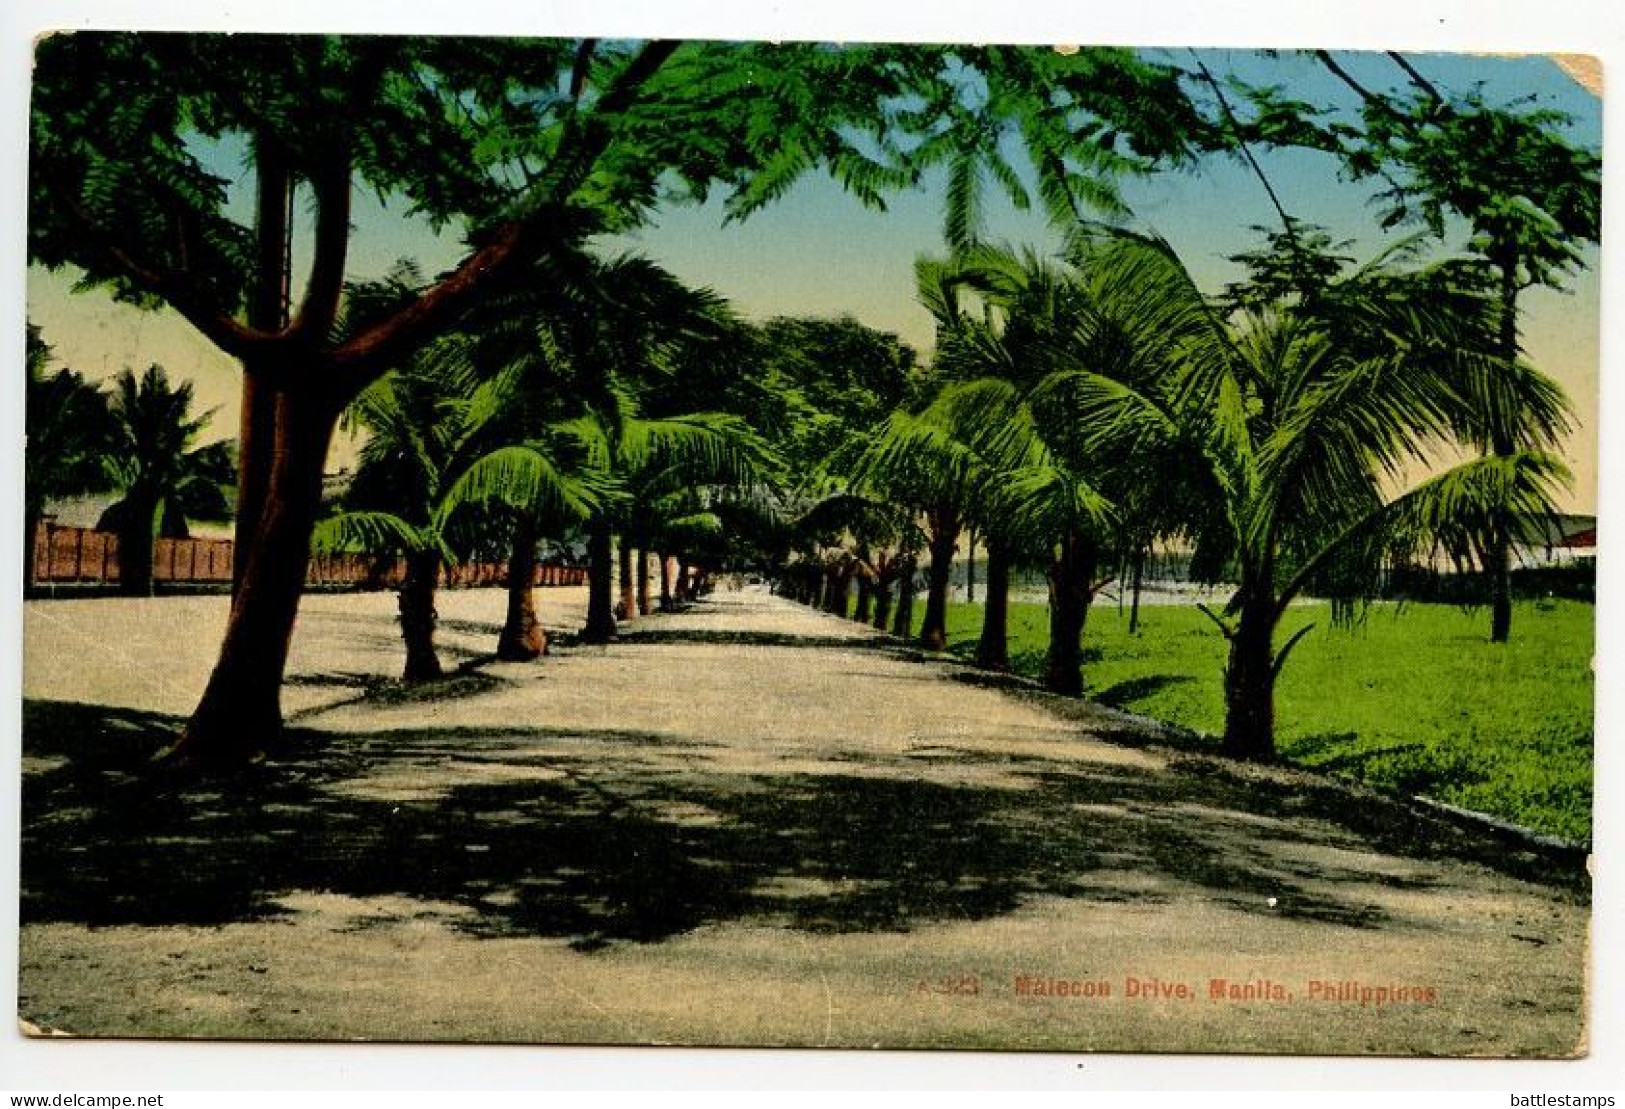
{"x": 1088, "y": 406}
{"x": 551, "y": 415}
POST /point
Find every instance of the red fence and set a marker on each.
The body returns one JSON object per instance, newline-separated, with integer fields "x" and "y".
{"x": 83, "y": 556}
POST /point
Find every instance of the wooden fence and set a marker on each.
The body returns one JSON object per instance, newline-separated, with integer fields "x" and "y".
{"x": 84, "y": 556}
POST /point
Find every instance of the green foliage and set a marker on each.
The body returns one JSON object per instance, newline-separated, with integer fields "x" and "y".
{"x": 579, "y": 135}
{"x": 1082, "y": 120}
{"x": 1530, "y": 196}
{"x": 607, "y": 357}
{"x": 1413, "y": 698}
{"x": 70, "y": 432}
{"x": 1301, "y": 413}
{"x": 1120, "y": 402}
{"x": 837, "y": 378}
{"x": 434, "y": 454}
{"x": 165, "y": 480}
{"x": 1295, "y": 264}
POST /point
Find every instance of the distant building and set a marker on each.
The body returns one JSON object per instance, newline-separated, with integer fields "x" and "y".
{"x": 1557, "y": 541}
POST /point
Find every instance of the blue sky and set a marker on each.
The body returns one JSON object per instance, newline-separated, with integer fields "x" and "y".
{"x": 819, "y": 252}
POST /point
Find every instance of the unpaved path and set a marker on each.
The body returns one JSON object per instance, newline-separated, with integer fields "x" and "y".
{"x": 745, "y": 824}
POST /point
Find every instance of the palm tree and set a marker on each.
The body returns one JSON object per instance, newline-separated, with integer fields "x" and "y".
{"x": 164, "y": 478}
{"x": 70, "y": 438}
{"x": 1300, "y": 417}
{"x": 984, "y": 439}
{"x": 430, "y": 457}
{"x": 916, "y": 464}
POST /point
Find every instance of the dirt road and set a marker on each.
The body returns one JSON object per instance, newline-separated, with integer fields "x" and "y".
{"x": 745, "y": 824}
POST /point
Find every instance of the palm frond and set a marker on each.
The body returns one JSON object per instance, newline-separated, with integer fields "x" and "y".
{"x": 524, "y": 477}
{"x": 706, "y": 446}
{"x": 369, "y": 533}
{"x": 1450, "y": 513}
{"x": 1044, "y": 502}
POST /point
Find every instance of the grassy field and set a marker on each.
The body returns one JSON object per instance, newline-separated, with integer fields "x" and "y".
{"x": 1412, "y": 698}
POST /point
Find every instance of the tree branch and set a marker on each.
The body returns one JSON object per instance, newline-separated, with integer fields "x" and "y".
{"x": 587, "y": 136}
{"x": 1258, "y": 171}
{"x": 273, "y": 188}
{"x": 319, "y": 307}
{"x": 1427, "y": 87}
{"x": 583, "y": 66}
{"x": 175, "y": 287}
{"x": 1224, "y": 628}
{"x": 362, "y": 358}
{"x": 1343, "y": 75}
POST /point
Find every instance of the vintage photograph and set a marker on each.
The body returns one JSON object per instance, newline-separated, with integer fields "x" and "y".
{"x": 647, "y": 541}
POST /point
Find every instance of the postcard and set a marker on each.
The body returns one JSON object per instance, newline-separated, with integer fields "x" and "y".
{"x": 653, "y": 541}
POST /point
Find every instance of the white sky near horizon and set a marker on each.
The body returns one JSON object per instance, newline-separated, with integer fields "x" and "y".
{"x": 819, "y": 252}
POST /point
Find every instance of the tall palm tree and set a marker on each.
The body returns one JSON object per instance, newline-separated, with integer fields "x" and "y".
{"x": 1301, "y": 416}
{"x": 602, "y": 341}
{"x": 165, "y": 479}
{"x": 984, "y": 440}
{"x": 918, "y": 465}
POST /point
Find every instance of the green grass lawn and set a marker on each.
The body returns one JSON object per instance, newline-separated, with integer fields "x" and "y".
{"x": 1412, "y": 698}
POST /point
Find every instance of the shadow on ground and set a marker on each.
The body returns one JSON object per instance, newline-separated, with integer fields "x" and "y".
{"x": 661, "y": 635}
{"x": 590, "y": 838}
{"x": 1124, "y": 694}
{"x": 464, "y": 680}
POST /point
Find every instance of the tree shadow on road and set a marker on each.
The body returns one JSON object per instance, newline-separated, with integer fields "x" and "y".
{"x": 745, "y": 638}
{"x": 600, "y": 838}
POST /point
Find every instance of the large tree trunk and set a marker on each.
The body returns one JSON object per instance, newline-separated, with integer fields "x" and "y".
{"x": 522, "y": 637}
{"x": 993, "y": 649}
{"x": 1071, "y": 575}
{"x": 903, "y": 626}
{"x": 628, "y": 608}
{"x": 866, "y": 599}
{"x": 267, "y": 311}
{"x": 418, "y": 616}
{"x": 600, "y": 560}
{"x": 1249, "y": 683}
{"x": 256, "y": 438}
{"x": 944, "y": 525}
{"x": 240, "y": 714}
